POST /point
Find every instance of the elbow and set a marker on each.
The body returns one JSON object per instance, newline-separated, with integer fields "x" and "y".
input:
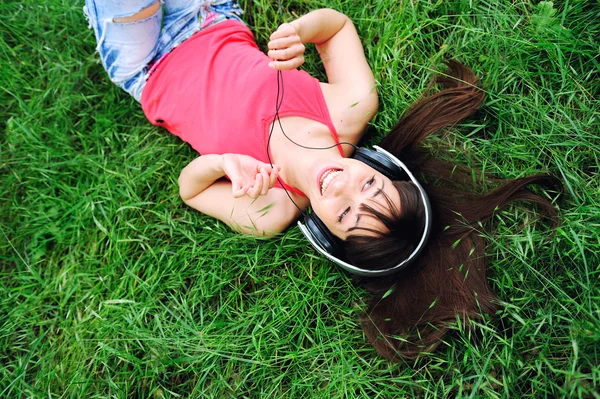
{"x": 277, "y": 224}
{"x": 344, "y": 21}
{"x": 371, "y": 104}
{"x": 373, "y": 100}
{"x": 180, "y": 183}
{"x": 184, "y": 191}
{"x": 260, "y": 230}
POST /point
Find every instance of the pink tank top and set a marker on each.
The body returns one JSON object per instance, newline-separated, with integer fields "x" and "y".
{"x": 216, "y": 92}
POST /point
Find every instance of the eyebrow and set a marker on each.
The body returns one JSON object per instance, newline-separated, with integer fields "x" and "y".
{"x": 379, "y": 191}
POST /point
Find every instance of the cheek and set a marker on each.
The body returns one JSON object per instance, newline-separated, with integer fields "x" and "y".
{"x": 322, "y": 214}
{"x": 328, "y": 219}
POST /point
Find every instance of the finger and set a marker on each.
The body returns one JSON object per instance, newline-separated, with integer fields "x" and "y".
{"x": 282, "y": 31}
{"x": 240, "y": 192}
{"x": 265, "y": 182}
{"x": 283, "y": 42}
{"x": 287, "y": 65}
{"x": 255, "y": 190}
{"x": 287, "y": 53}
{"x": 273, "y": 176}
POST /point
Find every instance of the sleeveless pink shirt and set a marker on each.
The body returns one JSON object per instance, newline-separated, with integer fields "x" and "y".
{"x": 216, "y": 92}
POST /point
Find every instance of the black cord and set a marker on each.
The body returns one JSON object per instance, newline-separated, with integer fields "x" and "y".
{"x": 278, "y": 102}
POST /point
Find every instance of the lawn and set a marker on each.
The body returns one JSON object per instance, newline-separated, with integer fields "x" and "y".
{"x": 110, "y": 286}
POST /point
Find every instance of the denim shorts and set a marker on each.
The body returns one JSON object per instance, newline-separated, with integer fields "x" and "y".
{"x": 130, "y": 50}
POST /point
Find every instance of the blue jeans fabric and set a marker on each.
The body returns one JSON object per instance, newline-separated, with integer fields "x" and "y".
{"x": 129, "y": 50}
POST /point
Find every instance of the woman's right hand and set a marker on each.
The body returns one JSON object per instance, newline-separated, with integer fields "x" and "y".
{"x": 285, "y": 48}
{"x": 248, "y": 175}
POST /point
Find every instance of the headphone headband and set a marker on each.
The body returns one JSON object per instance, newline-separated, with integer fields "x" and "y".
{"x": 328, "y": 245}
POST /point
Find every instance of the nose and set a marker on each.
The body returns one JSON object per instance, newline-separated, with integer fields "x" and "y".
{"x": 338, "y": 186}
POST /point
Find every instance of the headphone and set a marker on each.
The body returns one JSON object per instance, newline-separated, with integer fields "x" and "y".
{"x": 330, "y": 246}
{"x": 315, "y": 230}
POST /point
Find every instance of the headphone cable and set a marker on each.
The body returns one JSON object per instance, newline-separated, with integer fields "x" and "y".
{"x": 278, "y": 102}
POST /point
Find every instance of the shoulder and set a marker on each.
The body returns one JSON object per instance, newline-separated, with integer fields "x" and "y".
{"x": 351, "y": 108}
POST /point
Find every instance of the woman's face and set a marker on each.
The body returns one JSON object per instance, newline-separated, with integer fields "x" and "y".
{"x": 341, "y": 187}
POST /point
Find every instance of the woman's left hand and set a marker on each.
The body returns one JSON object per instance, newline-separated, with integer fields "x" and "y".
{"x": 285, "y": 48}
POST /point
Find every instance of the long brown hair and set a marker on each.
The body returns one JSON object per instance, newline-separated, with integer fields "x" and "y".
{"x": 409, "y": 313}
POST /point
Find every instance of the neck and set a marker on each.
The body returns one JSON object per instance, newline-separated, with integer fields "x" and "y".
{"x": 299, "y": 168}
{"x": 298, "y": 163}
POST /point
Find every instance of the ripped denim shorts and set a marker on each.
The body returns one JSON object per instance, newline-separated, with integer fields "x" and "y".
{"x": 129, "y": 50}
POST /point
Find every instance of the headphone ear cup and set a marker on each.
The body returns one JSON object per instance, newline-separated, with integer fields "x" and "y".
{"x": 322, "y": 235}
{"x": 380, "y": 163}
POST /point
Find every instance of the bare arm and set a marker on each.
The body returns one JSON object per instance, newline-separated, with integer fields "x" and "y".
{"x": 246, "y": 203}
{"x": 336, "y": 40}
{"x": 350, "y": 93}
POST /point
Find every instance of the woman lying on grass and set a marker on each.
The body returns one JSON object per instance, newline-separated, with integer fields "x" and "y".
{"x": 218, "y": 92}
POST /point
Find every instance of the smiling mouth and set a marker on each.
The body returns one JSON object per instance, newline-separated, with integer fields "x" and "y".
{"x": 327, "y": 177}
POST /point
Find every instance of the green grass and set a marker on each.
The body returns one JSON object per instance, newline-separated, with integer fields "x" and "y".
{"x": 111, "y": 287}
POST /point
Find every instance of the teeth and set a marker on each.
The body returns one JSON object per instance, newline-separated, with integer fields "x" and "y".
{"x": 327, "y": 177}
